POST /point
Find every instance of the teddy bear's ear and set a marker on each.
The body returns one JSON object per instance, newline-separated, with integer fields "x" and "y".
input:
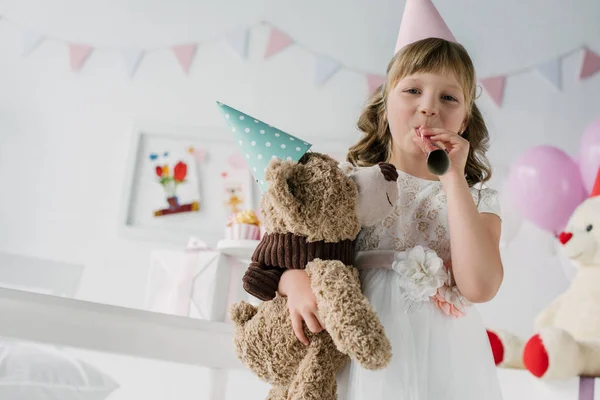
{"x": 273, "y": 169}
{"x": 282, "y": 176}
{"x": 296, "y": 179}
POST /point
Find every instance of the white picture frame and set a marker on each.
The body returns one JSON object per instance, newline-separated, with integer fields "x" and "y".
{"x": 141, "y": 193}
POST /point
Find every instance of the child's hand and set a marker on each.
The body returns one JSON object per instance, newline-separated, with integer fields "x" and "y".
{"x": 455, "y": 145}
{"x": 302, "y": 303}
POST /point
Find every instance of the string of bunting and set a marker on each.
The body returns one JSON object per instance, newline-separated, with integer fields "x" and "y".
{"x": 551, "y": 70}
{"x": 325, "y": 67}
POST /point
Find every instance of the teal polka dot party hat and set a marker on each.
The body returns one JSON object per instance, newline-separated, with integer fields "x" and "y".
{"x": 260, "y": 142}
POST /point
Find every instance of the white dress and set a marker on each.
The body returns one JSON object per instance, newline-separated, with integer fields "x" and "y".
{"x": 436, "y": 354}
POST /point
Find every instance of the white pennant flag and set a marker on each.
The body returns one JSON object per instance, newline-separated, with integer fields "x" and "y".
{"x": 132, "y": 58}
{"x": 29, "y": 41}
{"x": 238, "y": 40}
{"x": 326, "y": 67}
{"x": 552, "y": 71}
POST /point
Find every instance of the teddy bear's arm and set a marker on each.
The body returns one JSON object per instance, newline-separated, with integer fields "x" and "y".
{"x": 261, "y": 281}
{"x": 546, "y": 316}
{"x": 347, "y": 314}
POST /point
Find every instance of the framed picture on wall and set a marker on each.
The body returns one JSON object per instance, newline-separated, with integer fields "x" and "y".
{"x": 183, "y": 182}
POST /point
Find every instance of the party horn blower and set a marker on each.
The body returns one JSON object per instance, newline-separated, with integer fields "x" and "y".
{"x": 437, "y": 158}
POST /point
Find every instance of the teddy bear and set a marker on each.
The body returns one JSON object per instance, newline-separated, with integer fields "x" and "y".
{"x": 313, "y": 211}
{"x": 567, "y": 342}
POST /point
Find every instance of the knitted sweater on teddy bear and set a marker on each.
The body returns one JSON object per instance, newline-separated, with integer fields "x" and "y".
{"x": 277, "y": 252}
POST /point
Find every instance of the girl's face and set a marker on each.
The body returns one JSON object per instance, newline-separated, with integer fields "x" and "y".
{"x": 424, "y": 100}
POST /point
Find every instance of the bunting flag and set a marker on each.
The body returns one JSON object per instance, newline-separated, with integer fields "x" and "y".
{"x": 278, "y": 41}
{"x": 552, "y": 71}
{"x": 494, "y": 86}
{"x": 591, "y": 64}
{"x": 185, "y": 55}
{"x": 29, "y": 41}
{"x": 326, "y": 67}
{"x": 132, "y": 59}
{"x": 374, "y": 81}
{"x": 78, "y": 54}
{"x": 238, "y": 40}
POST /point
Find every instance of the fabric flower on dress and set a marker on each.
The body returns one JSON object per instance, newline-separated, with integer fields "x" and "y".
{"x": 421, "y": 272}
{"x": 448, "y": 298}
{"x": 451, "y": 301}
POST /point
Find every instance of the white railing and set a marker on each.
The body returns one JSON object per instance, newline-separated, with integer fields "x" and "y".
{"x": 106, "y": 328}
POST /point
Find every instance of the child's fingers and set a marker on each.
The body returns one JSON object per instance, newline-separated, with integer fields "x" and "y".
{"x": 419, "y": 142}
{"x": 297, "y": 327}
{"x": 448, "y": 137}
{"x": 320, "y": 320}
{"x": 435, "y": 131}
{"x": 450, "y": 141}
{"x": 312, "y": 323}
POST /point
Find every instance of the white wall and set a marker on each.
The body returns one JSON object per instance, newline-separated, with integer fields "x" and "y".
{"x": 65, "y": 137}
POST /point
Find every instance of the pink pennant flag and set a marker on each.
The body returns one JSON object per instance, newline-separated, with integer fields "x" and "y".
{"x": 277, "y": 42}
{"x": 591, "y": 64}
{"x": 374, "y": 81}
{"x": 78, "y": 54}
{"x": 185, "y": 54}
{"x": 495, "y": 88}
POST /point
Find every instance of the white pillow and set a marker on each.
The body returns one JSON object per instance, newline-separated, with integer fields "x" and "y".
{"x": 30, "y": 371}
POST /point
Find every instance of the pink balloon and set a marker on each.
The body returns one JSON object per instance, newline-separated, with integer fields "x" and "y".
{"x": 589, "y": 154}
{"x": 546, "y": 187}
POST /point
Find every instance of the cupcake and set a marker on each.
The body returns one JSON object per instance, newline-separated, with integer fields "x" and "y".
{"x": 243, "y": 226}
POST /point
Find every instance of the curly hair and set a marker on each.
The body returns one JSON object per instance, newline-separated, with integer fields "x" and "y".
{"x": 427, "y": 55}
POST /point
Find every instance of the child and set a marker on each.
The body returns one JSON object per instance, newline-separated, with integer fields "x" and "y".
{"x": 440, "y": 346}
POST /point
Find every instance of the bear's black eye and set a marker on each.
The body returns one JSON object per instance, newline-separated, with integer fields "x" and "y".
{"x": 588, "y": 228}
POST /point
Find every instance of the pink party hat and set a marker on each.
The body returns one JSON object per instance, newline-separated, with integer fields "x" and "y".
{"x": 421, "y": 20}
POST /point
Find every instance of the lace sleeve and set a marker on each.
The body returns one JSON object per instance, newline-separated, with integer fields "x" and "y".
{"x": 488, "y": 201}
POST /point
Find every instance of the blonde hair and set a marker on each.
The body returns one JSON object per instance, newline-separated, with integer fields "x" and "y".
{"x": 427, "y": 55}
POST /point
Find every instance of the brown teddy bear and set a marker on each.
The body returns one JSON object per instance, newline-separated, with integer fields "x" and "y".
{"x": 313, "y": 212}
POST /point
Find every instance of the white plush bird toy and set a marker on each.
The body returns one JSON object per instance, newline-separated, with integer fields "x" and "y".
{"x": 567, "y": 342}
